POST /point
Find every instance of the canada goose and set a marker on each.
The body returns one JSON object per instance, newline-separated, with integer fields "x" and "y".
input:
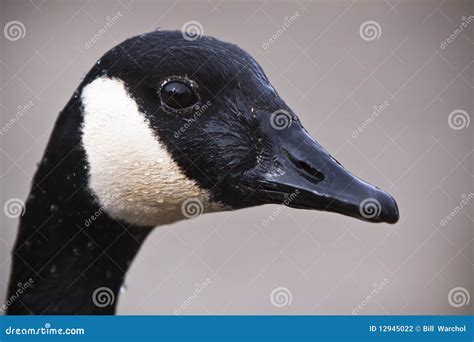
{"x": 159, "y": 127}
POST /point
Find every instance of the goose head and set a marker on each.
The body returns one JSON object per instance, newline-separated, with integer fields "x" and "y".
{"x": 173, "y": 128}
{"x": 162, "y": 129}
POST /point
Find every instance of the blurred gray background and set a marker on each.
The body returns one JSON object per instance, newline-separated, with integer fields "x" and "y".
{"x": 332, "y": 72}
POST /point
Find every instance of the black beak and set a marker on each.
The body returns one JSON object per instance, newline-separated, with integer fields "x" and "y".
{"x": 301, "y": 174}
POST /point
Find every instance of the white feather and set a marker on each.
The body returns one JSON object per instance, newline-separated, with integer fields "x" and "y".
{"x": 130, "y": 172}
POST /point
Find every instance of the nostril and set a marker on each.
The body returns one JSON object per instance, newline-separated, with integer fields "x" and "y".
{"x": 305, "y": 168}
{"x": 311, "y": 171}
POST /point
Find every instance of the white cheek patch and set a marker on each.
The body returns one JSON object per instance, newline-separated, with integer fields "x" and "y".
{"x": 130, "y": 171}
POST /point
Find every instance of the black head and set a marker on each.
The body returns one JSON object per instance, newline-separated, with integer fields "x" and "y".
{"x": 228, "y": 130}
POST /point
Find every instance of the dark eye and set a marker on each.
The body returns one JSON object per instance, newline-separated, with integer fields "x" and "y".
{"x": 178, "y": 95}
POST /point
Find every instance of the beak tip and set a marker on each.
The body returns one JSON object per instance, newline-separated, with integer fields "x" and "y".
{"x": 381, "y": 207}
{"x": 392, "y": 219}
{"x": 390, "y": 212}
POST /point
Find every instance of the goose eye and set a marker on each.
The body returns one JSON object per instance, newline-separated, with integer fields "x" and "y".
{"x": 178, "y": 95}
